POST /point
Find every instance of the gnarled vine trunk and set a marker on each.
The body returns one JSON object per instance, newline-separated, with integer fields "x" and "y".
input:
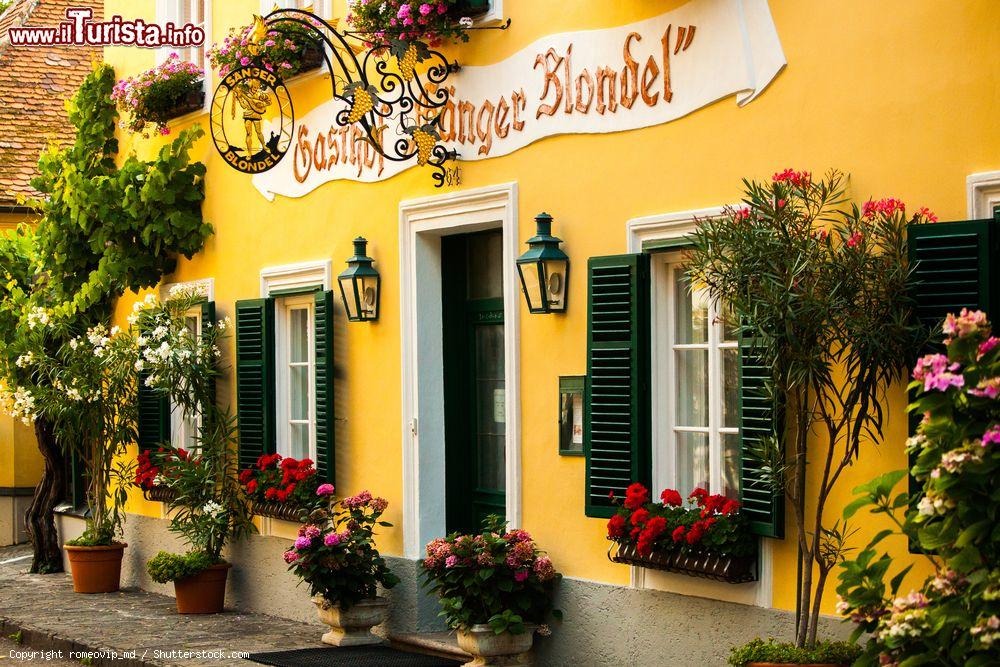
{"x": 51, "y": 489}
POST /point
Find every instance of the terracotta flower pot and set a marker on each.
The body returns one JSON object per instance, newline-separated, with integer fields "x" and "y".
{"x": 96, "y": 569}
{"x": 353, "y": 626}
{"x": 489, "y": 649}
{"x": 204, "y": 593}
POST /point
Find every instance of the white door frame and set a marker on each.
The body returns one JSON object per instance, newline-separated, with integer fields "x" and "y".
{"x": 422, "y": 223}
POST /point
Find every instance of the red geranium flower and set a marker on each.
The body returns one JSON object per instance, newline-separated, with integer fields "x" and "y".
{"x": 647, "y": 538}
{"x": 636, "y": 495}
{"x": 678, "y": 534}
{"x": 616, "y": 526}
{"x": 270, "y": 493}
{"x": 252, "y": 486}
{"x": 245, "y": 475}
{"x": 640, "y": 516}
{"x": 699, "y": 495}
{"x": 671, "y": 497}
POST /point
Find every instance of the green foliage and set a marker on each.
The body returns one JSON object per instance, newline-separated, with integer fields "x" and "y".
{"x": 104, "y": 228}
{"x": 497, "y": 577}
{"x": 823, "y": 293}
{"x": 336, "y": 555}
{"x": 954, "y": 617}
{"x": 94, "y": 536}
{"x": 165, "y": 566}
{"x": 757, "y": 650}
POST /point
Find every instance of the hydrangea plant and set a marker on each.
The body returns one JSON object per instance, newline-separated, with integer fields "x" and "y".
{"x": 497, "y": 577}
{"x": 953, "y": 618}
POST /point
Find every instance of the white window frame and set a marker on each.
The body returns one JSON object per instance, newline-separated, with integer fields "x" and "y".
{"x": 282, "y": 343}
{"x": 170, "y": 10}
{"x": 983, "y": 194}
{"x": 666, "y": 474}
{"x": 275, "y": 281}
{"x": 178, "y": 424}
{"x": 639, "y": 231}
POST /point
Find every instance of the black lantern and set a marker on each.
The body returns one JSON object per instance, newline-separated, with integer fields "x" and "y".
{"x": 359, "y": 285}
{"x": 544, "y": 270}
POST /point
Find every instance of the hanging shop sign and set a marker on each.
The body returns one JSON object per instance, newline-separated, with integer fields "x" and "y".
{"x": 241, "y": 102}
{"x": 596, "y": 81}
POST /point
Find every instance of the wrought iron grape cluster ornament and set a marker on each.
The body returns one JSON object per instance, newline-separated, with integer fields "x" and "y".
{"x": 394, "y": 90}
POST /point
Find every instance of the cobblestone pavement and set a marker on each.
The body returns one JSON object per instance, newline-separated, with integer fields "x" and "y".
{"x": 140, "y": 628}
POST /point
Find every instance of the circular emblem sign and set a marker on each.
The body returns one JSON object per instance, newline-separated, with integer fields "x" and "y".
{"x": 252, "y": 119}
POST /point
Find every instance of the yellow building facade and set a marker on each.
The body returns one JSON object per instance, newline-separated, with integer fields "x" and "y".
{"x": 902, "y": 95}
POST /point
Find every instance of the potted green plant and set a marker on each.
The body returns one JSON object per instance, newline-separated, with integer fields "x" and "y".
{"x": 286, "y": 48}
{"x": 758, "y": 653}
{"x": 93, "y": 387}
{"x": 335, "y": 555}
{"x": 209, "y": 507}
{"x": 706, "y": 536}
{"x": 953, "y": 616}
{"x": 495, "y": 589}
{"x": 154, "y": 97}
{"x": 821, "y": 293}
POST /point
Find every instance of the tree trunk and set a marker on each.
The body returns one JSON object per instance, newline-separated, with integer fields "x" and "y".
{"x": 51, "y": 489}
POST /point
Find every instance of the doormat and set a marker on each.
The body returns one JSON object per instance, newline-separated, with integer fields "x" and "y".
{"x": 352, "y": 656}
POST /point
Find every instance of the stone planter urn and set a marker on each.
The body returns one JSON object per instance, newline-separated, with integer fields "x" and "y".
{"x": 353, "y": 626}
{"x": 489, "y": 649}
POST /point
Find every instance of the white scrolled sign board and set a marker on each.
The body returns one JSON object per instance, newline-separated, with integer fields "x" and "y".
{"x": 607, "y": 80}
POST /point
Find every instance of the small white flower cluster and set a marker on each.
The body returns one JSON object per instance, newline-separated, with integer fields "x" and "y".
{"x": 956, "y": 459}
{"x": 987, "y": 631}
{"x": 908, "y": 617}
{"x": 148, "y": 302}
{"x": 38, "y": 316}
{"x": 212, "y": 508}
{"x": 188, "y": 291}
{"x": 948, "y": 583}
{"x": 222, "y": 325}
{"x": 934, "y": 504}
{"x": 25, "y": 360}
{"x": 915, "y": 443}
{"x": 99, "y": 339}
{"x": 19, "y": 403}
{"x": 72, "y": 391}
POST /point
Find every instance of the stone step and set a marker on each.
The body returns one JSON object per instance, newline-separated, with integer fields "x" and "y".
{"x": 439, "y": 644}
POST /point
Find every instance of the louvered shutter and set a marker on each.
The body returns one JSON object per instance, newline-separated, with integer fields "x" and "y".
{"x": 616, "y": 407}
{"x": 255, "y": 379}
{"x": 952, "y": 269}
{"x": 324, "y": 386}
{"x": 152, "y": 416}
{"x": 759, "y": 418}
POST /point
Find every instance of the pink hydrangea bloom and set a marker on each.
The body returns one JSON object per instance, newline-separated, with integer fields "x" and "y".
{"x": 989, "y": 388}
{"x": 451, "y": 561}
{"x": 987, "y": 345}
{"x": 303, "y": 542}
{"x": 520, "y": 575}
{"x": 325, "y": 490}
{"x": 332, "y": 539}
{"x": 936, "y": 373}
{"x": 290, "y": 556}
{"x": 992, "y": 435}
{"x": 967, "y": 323}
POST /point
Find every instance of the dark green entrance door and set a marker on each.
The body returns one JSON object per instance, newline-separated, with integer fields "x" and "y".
{"x": 475, "y": 406}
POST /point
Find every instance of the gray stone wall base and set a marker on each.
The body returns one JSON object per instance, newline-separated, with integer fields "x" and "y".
{"x": 603, "y": 624}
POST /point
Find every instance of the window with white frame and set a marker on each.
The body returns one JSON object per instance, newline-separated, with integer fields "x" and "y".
{"x": 185, "y": 429}
{"x": 296, "y": 376}
{"x": 698, "y": 358}
{"x": 180, "y": 13}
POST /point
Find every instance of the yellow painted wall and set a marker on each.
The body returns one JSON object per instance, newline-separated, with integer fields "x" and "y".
{"x": 903, "y": 94}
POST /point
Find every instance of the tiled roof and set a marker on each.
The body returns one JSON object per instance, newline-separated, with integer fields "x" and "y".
{"x": 35, "y": 82}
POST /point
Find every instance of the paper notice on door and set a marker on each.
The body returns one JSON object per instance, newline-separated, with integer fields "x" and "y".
{"x": 499, "y": 406}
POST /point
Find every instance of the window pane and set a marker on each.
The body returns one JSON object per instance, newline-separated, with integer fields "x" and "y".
{"x": 692, "y": 312}
{"x": 692, "y": 461}
{"x": 692, "y": 387}
{"x": 299, "y": 392}
{"x": 731, "y": 388}
{"x": 731, "y": 465}
{"x": 299, "y": 441}
{"x": 191, "y": 433}
{"x": 298, "y": 334}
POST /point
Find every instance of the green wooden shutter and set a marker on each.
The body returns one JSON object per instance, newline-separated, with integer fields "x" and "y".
{"x": 255, "y": 379}
{"x": 152, "y": 417}
{"x": 616, "y": 406}
{"x": 208, "y": 317}
{"x": 325, "y": 431}
{"x": 759, "y": 418}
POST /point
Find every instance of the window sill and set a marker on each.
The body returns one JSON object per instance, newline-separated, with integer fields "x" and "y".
{"x": 705, "y": 565}
{"x": 159, "y": 494}
{"x": 67, "y": 509}
{"x": 278, "y": 511}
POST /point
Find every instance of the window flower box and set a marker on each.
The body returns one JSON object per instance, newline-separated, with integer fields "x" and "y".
{"x": 189, "y": 102}
{"x": 284, "y": 512}
{"x": 161, "y": 494}
{"x": 312, "y": 58}
{"x": 696, "y": 563}
{"x": 151, "y": 99}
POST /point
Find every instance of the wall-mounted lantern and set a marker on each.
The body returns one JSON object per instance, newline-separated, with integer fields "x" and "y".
{"x": 360, "y": 285}
{"x": 544, "y": 270}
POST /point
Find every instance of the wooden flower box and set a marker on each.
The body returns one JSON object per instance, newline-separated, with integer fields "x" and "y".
{"x": 312, "y": 58}
{"x": 162, "y": 494}
{"x": 704, "y": 564}
{"x": 471, "y": 8}
{"x": 279, "y": 511}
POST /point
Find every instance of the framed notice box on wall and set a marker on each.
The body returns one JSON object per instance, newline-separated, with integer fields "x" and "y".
{"x": 571, "y": 414}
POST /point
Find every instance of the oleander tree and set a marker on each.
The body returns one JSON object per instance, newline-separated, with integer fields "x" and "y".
{"x": 105, "y": 226}
{"x": 820, "y": 290}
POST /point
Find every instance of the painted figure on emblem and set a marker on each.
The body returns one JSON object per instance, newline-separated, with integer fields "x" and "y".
{"x": 254, "y": 101}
